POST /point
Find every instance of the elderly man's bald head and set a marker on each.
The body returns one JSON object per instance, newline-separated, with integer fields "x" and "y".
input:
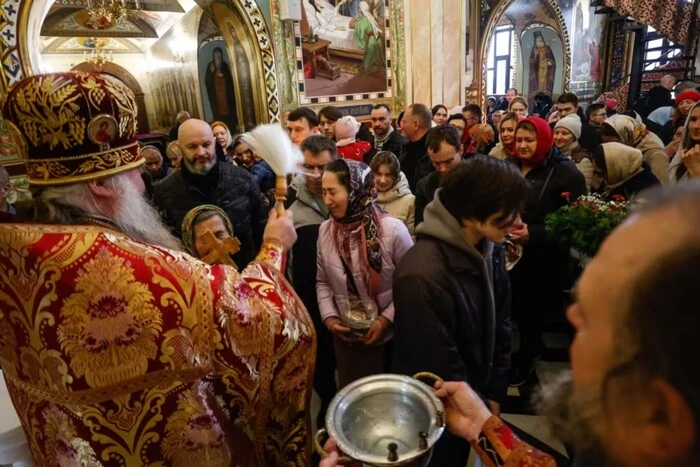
{"x": 196, "y": 139}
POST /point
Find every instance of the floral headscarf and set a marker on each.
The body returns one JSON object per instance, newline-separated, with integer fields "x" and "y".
{"x": 630, "y": 131}
{"x": 362, "y": 210}
{"x": 193, "y": 217}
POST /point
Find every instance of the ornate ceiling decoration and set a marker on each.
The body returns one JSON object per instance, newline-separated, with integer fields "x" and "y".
{"x": 72, "y": 45}
{"x": 146, "y": 5}
{"x": 68, "y": 25}
{"x": 72, "y": 22}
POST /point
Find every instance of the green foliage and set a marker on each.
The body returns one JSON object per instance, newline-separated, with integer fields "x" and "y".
{"x": 584, "y": 224}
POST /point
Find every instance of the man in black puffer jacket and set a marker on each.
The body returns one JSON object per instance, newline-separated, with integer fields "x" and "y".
{"x": 451, "y": 290}
{"x": 204, "y": 180}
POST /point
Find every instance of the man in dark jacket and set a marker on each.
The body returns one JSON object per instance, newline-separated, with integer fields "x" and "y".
{"x": 415, "y": 164}
{"x": 590, "y": 130}
{"x": 204, "y": 180}
{"x": 445, "y": 151}
{"x": 659, "y": 96}
{"x": 309, "y": 212}
{"x": 179, "y": 119}
{"x": 385, "y": 137}
{"x": 451, "y": 290}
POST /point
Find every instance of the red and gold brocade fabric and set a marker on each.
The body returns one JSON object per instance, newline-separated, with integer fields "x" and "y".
{"x": 120, "y": 353}
{"x": 498, "y": 446}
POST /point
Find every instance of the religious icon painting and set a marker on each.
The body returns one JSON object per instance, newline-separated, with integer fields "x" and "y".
{"x": 102, "y": 130}
{"x": 344, "y": 50}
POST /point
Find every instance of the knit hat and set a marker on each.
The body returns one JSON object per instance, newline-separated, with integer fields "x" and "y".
{"x": 611, "y": 103}
{"x": 690, "y": 94}
{"x": 72, "y": 127}
{"x": 545, "y": 139}
{"x": 572, "y": 123}
{"x": 346, "y": 128}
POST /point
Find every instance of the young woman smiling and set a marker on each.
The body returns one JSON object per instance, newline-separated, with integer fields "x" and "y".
{"x": 506, "y": 131}
{"x": 686, "y": 162}
{"x": 358, "y": 250}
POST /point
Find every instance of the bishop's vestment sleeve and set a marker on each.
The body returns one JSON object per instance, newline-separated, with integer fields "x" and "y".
{"x": 265, "y": 355}
{"x": 499, "y": 446}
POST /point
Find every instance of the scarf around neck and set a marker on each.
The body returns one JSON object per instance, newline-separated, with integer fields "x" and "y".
{"x": 362, "y": 212}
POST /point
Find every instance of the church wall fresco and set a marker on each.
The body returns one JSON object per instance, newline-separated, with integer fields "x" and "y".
{"x": 589, "y": 46}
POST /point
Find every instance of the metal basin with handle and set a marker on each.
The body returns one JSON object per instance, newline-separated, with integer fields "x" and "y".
{"x": 385, "y": 420}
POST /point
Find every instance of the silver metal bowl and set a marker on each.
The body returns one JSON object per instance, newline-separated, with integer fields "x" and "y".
{"x": 386, "y": 420}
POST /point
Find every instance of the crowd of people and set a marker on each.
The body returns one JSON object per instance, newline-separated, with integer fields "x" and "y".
{"x": 164, "y": 278}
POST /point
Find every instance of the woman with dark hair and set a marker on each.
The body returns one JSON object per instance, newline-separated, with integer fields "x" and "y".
{"x": 543, "y": 105}
{"x": 458, "y": 121}
{"x": 439, "y": 114}
{"x": 200, "y": 220}
{"x": 394, "y": 194}
{"x": 358, "y": 250}
{"x": 506, "y": 133}
{"x": 624, "y": 129}
{"x": 686, "y": 163}
{"x": 620, "y": 171}
{"x": 398, "y": 123}
{"x": 539, "y": 278}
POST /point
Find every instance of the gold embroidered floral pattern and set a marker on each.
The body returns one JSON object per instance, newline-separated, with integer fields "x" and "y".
{"x": 123, "y": 360}
{"x": 69, "y": 450}
{"x": 75, "y": 127}
{"x": 48, "y": 112}
{"x": 126, "y": 106}
{"x": 110, "y": 323}
{"x": 193, "y": 436}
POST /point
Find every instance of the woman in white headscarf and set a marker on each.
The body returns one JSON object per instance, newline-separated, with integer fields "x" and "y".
{"x": 620, "y": 170}
{"x": 368, "y": 36}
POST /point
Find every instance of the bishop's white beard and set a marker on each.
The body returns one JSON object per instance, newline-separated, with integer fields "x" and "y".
{"x": 138, "y": 219}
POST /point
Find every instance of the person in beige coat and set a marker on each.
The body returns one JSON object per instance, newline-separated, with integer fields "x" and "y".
{"x": 626, "y": 130}
{"x": 394, "y": 194}
{"x": 567, "y": 133}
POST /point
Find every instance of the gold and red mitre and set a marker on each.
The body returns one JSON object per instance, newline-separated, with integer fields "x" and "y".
{"x": 72, "y": 127}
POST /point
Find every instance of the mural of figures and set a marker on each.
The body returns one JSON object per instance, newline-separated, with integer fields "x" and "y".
{"x": 587, "y": 33}
{"x": 343, "y": 47}
{"x": 543, "y": 67}
{"x": 218, "y": 83}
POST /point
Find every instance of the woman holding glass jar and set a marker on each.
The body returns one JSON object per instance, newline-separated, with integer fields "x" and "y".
{"x": 358, "y": 250}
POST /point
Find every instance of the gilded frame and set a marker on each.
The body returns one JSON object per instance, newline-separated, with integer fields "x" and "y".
{"x": 497, "y": 13}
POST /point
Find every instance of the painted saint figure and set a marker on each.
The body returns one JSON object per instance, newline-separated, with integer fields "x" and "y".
{"x": 219, "y": 84}
{"x": 369, "y": 37}
{"x": 543, "y": 66}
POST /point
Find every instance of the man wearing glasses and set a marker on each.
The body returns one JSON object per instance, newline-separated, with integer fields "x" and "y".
{"x": 590, "y": 132}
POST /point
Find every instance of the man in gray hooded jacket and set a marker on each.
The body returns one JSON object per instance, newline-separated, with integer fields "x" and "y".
{"x": 451, "y": 290}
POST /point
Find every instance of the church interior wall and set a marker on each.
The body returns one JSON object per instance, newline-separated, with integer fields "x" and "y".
{"x": 173, "y": 85}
